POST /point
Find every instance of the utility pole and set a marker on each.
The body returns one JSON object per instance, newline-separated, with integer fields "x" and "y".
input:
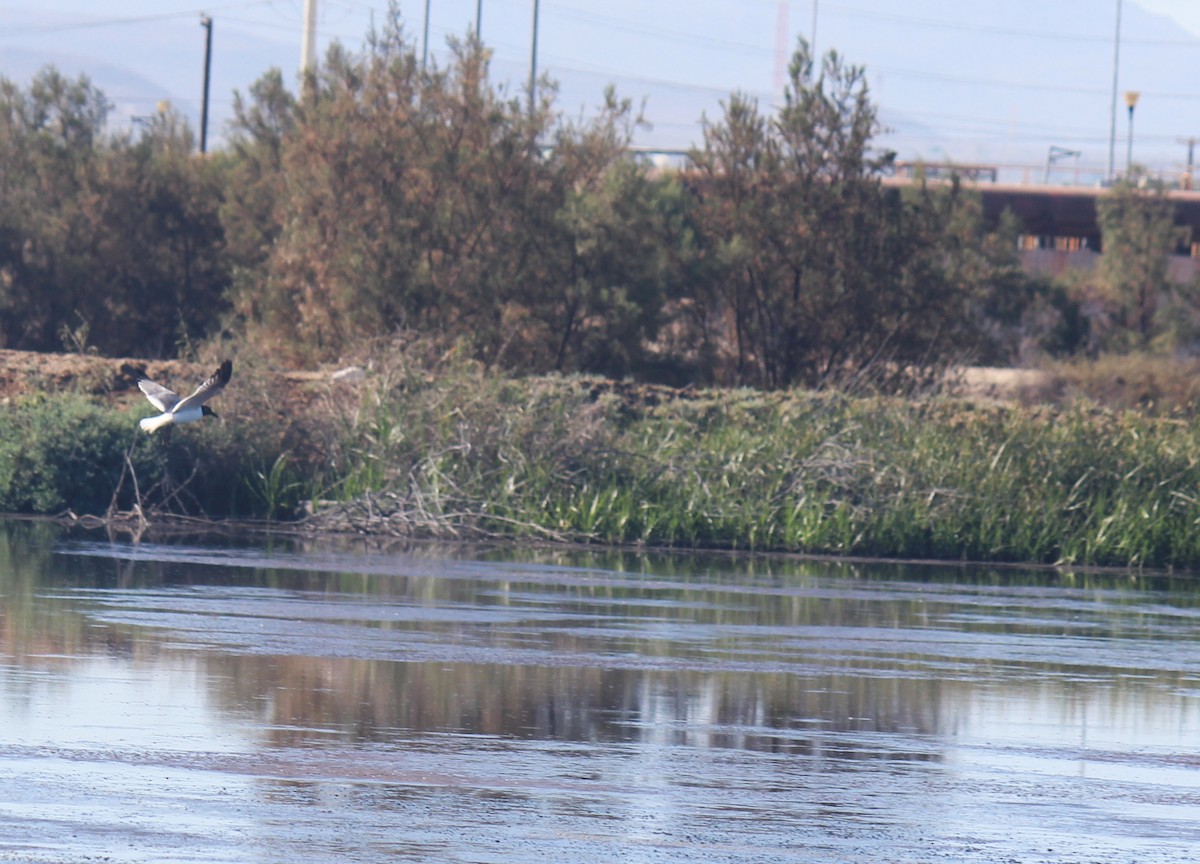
{"x": 206, "y": 23}
{"x": 425, "y": 38}
{"x": 1112, "y": 124}
{"x": 308, "y": 41}
{"x": 781, "y": 49}
{"x": 533, "y": 63}
{"x": 813, "y": 47}
{"x": 478, "y": 18}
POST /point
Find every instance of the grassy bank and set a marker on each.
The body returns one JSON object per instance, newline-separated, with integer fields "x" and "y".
{"x": 462, "y": 453}
{"x": 818, "y": 473}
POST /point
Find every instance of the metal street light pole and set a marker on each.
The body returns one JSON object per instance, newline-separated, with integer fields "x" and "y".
{"x": 1057, "y": 153}
{"x": 1131, "y": 99}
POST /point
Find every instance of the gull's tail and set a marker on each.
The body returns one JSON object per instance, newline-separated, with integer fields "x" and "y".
{"x": 149, "y": 424}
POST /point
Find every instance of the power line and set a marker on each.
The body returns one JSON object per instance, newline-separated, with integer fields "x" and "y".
{"x": 94, "y": 23}
{"x": 997, "y": 29}
{"x": 669, "y": 34}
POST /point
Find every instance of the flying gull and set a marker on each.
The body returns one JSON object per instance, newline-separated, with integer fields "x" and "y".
{"x": 176, "y": 410}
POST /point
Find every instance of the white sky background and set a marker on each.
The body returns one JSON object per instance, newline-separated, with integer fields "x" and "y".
{"x": 1186, "y": 13}
{"x": 992, "y": 81}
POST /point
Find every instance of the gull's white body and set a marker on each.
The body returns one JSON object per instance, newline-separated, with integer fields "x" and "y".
{"x": 171, "y": 418}
{"x": 175, "y": 410}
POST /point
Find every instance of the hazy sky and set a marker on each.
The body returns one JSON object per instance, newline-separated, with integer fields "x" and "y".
{"x": 1184, "y": 12}
{"x": 996, "y": 81}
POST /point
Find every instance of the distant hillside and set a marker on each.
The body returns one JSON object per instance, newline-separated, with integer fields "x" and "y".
{"x": 970, "y": 82}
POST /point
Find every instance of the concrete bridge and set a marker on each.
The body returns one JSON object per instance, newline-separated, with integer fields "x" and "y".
{"x": 1059, "y": 226}
{"x": 1060, "y": 229}
{"x": 1059, "y": 213}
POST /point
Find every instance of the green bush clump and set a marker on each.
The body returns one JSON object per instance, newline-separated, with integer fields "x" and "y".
{"x": 64, "y": 452}
{"x": 68, "y": 452}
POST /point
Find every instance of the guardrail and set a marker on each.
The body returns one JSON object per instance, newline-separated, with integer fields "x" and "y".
{"x": 1050, "y": 173}
{"x": 1027, "y": 174}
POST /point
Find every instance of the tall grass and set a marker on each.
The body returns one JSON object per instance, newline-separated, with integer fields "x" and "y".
{"x": 459, "y": 452}
{"x": 803, "y": 472}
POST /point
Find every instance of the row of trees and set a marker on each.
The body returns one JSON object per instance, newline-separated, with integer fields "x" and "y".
{"x": 389, "y": 197}
{"x": 116, "y": 240}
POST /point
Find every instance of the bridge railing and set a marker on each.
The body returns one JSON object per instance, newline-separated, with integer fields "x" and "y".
{"x": 1028, "y": 174}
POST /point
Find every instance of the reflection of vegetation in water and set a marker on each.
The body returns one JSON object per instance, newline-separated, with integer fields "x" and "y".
{"x": 748, "y": 652}
{"x": 30, "y": 623}
{"x": 384, "y": 700}
{"x": 744, "y": 611}
{"x": 43, "y": 624}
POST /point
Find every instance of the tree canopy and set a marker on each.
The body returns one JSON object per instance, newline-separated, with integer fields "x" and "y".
{"x": 388, "y": 196}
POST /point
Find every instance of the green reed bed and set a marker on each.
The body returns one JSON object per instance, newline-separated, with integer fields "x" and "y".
{"x": 464, "y": 454}
{"x": 799, "y": 472}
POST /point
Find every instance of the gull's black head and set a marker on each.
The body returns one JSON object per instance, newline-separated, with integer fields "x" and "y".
{"x": 205, "y": 411}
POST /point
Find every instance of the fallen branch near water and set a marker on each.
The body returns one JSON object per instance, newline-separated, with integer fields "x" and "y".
{"x": 389, "y": 514}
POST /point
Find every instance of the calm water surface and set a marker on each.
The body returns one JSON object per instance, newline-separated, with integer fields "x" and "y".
{"x": 277, "y": 701}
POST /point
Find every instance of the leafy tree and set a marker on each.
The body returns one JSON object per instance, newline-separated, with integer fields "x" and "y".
{"x": 814, "y": 269}
{"x": 105, "y": 241}
{"x": 160, "y": 275}
{"x": 387, "y": 189}
{"x": 596, "y": 278}
{"x": 254, "y": 173}
{"x": 390, "y": 196}
{"x": 48, "y": 137}
{"x": 1006, "y": 313}
{"x": 403, "y": 197}
{"x": 1138, "y": 233}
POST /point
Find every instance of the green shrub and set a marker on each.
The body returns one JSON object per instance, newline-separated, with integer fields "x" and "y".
{"x": 69, "y": 453}
{"x": 64, "y": 453}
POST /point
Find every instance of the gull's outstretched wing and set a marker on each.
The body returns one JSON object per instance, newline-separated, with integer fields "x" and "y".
{"x": 160, "y": 397}
{"x": 210, "y": 388}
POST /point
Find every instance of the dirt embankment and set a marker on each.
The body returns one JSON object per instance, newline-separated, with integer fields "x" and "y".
{"x": 26, "y": 372}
